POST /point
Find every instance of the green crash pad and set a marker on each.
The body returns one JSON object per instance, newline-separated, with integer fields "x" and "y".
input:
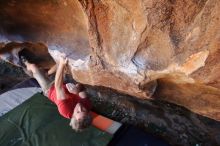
{"x": 36, "y": 122}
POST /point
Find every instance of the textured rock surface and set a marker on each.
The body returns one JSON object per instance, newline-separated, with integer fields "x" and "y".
{"x": 9, "y": 76}
{"x": 128, "y": 46}
{"x": 175, "y": 124}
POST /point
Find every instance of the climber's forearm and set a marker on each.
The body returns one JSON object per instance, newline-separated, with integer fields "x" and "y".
{"x": 59, "y": 81}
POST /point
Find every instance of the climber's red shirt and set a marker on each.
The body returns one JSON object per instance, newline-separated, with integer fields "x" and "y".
{"x": 66, "y": 106}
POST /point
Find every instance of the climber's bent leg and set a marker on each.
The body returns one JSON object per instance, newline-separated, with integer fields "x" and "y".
{"x": 40, "y": 76}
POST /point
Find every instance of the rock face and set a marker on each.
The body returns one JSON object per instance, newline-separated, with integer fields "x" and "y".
{"x": 173, "y": 123}
{"x": 166, "y": 47}
{"x": 10, "y": 76}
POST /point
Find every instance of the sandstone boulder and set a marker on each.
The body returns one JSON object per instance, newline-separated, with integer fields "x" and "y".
{"x": 129, "y": 46}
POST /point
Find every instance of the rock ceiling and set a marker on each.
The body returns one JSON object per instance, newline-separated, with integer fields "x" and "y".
{"x": 166, "y": 49}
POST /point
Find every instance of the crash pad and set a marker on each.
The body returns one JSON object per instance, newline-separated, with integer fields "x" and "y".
{"x": 36, "y": 122}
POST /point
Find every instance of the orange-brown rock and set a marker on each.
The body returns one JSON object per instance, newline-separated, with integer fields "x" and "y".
{"x": 128, "y": 46}
{"x": 36, "y": 52}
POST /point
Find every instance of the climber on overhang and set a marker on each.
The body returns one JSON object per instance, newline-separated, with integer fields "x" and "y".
{"x": 71, "y": 100}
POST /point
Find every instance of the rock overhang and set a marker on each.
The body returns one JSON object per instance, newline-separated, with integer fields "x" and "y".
{"x": 126, "y": 46}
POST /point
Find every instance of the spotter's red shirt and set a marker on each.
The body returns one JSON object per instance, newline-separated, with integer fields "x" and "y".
{"x": 66, "y": 106}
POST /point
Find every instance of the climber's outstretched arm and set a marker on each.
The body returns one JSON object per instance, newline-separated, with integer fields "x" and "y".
{"x": 59, "y": 79}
